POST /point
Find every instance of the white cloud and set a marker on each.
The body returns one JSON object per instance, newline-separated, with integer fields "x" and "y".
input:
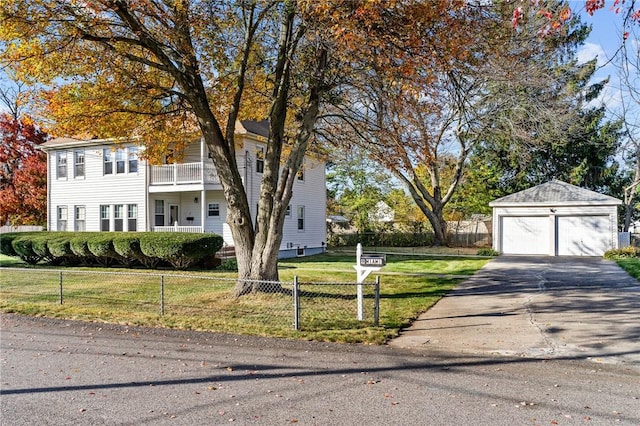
{"x": 590, "y": 51}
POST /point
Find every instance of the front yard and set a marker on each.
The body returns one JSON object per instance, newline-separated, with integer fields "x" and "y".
{"x": 201, "y": 300}
{"x": 631, "y": 265}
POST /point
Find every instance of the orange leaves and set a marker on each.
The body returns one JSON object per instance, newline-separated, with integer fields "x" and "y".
{"x": 592, "y": 5}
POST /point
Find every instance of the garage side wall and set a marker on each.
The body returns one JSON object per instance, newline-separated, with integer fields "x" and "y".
{"x": 555, "y": 230}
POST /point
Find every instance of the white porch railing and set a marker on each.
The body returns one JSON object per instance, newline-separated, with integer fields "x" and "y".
{"x": 176, "y": 228}
{"x": 176, "y": 174}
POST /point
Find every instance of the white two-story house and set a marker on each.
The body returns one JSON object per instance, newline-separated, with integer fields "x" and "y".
{"x": 105, "y": 185}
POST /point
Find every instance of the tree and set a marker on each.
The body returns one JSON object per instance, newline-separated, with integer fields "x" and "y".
{"x": 422, "y": 126}
{"x": 23, "y": 174}
{"x": 357, "y": 185}
{"x": 166, "y": 71}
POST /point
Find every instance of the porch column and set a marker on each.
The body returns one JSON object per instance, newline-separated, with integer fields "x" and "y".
{"x": 203, "y": 209}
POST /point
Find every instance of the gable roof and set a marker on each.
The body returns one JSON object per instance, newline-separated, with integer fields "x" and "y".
{"x": 554, "y": 193}
{"x": 260, "y": 128}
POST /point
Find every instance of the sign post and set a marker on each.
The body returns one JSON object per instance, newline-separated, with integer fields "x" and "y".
{"x": 365, "y": 264}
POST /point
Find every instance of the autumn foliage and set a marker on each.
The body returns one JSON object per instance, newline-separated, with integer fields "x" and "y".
{"x": 23, "y": 173}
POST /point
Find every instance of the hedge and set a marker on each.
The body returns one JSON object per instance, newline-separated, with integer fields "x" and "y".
{"x": 6, "y": 241}
{"x": 181, "y": 250}
{"x": 23, "y": 246}
{"x": 382, "y": 239}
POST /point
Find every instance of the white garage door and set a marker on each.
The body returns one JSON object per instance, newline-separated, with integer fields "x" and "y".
{"x": 525, "y": 234}
{"x": 583, "y": 235}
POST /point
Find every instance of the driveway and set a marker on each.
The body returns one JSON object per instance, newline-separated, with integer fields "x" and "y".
{"x": 550, "y": 307}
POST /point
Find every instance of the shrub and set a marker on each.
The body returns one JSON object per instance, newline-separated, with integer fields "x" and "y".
{"x": 6, "y": 246}
{"x": 127, "y": 246}
{"x": 180, "y": 249}
{"x": 622, "y": 253}
{"x": 60, "y": 248}
{"x": 23, "y": 247}
{"x": 230, "y": 265}
{"x": 39, "y": 244}
{"x": 101, "y": 246}
{"x": 382, "y": 239}
{"x": 79, "y": 244}
{"x": 488, "y": 252}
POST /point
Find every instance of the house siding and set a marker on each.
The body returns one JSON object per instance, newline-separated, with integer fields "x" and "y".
{"x": 96, "y": 189}
{"x": 93, "y": 189}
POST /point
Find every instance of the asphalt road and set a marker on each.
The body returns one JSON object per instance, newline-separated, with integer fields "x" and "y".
{"x": 56, "y": 372}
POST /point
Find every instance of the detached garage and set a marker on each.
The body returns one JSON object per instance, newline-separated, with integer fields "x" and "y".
{"x": 555, "y": 219}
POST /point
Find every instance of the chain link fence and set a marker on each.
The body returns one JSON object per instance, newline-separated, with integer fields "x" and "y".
{"x": 201, "y": 301}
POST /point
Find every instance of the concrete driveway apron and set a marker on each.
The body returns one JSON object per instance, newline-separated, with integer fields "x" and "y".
{"x": 548, "y": 307}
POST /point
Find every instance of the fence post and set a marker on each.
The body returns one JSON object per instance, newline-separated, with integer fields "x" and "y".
{"x": 60, "y": 285}
{"x": 296, "y": 304}
{"x": 376, "y": 302}
{"x": 161, "y": 295}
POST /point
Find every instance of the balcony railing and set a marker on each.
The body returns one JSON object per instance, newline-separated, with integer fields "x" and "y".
{"x": 176, "y": 228}
{"x": 178, "y": 174}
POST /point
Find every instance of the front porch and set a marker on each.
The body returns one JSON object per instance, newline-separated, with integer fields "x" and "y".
{"x": 179, "y": 228}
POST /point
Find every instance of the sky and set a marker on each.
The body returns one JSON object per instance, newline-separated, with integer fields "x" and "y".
{"x": 603, "y": 41}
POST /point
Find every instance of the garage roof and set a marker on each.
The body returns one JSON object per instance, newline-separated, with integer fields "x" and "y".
{"x": 555, "y": 193}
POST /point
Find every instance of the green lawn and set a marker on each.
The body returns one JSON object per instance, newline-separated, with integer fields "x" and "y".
{"x": 202, "y": 300}
{"x": 631, "y": 265}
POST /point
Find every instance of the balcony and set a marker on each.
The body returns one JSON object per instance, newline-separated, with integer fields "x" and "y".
{"x": 184, "y": 174}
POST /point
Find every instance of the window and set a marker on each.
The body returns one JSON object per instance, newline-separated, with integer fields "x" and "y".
{"x": 159, "y": 213}
{"x": 300, "y": 174}
{"x": 80, "y": 215}
{"x": 259, "y": 159}
{"x": 107, "y": 155}
{"x": 78, "y": 163}
{"x": 61, "y": 162}
{"x": 301, "y": 218}
{"x": 120, "y": 163}
{"x": 118, "y": 214}
{"x": 105, "y": 215}
{"x": 62, "y": 218}
{"x": 132, "y": 217}
{"x": 133, "y": 159}
{"x": 288, "y": 212}
{"x": 214, "y": 209}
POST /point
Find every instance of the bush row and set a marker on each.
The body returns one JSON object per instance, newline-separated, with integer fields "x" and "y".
{"x": 622, "y": 253}
{"x": 181, "y": 250}
{"x": 382, "y": 239}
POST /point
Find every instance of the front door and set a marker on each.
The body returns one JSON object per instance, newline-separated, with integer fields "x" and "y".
{"x": 173, "y": 214}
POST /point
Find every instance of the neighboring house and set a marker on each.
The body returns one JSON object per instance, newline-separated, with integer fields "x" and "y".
{"x": 382, "y": 213}
{"x": 101, "y": 185}
{"x": 555, "y": 219}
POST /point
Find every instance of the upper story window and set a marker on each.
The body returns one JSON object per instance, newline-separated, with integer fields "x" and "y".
{"x": 300, "y": 174}
{"x": 78, "y": 163}
{"x": 61, "y": 165}
{"x": 120, "y": 163}
{"x": 259, "y": 159}
{"x": 132, "y": 153}
{"x": 108, "y": 161}
{"x": 288, "y": 212}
